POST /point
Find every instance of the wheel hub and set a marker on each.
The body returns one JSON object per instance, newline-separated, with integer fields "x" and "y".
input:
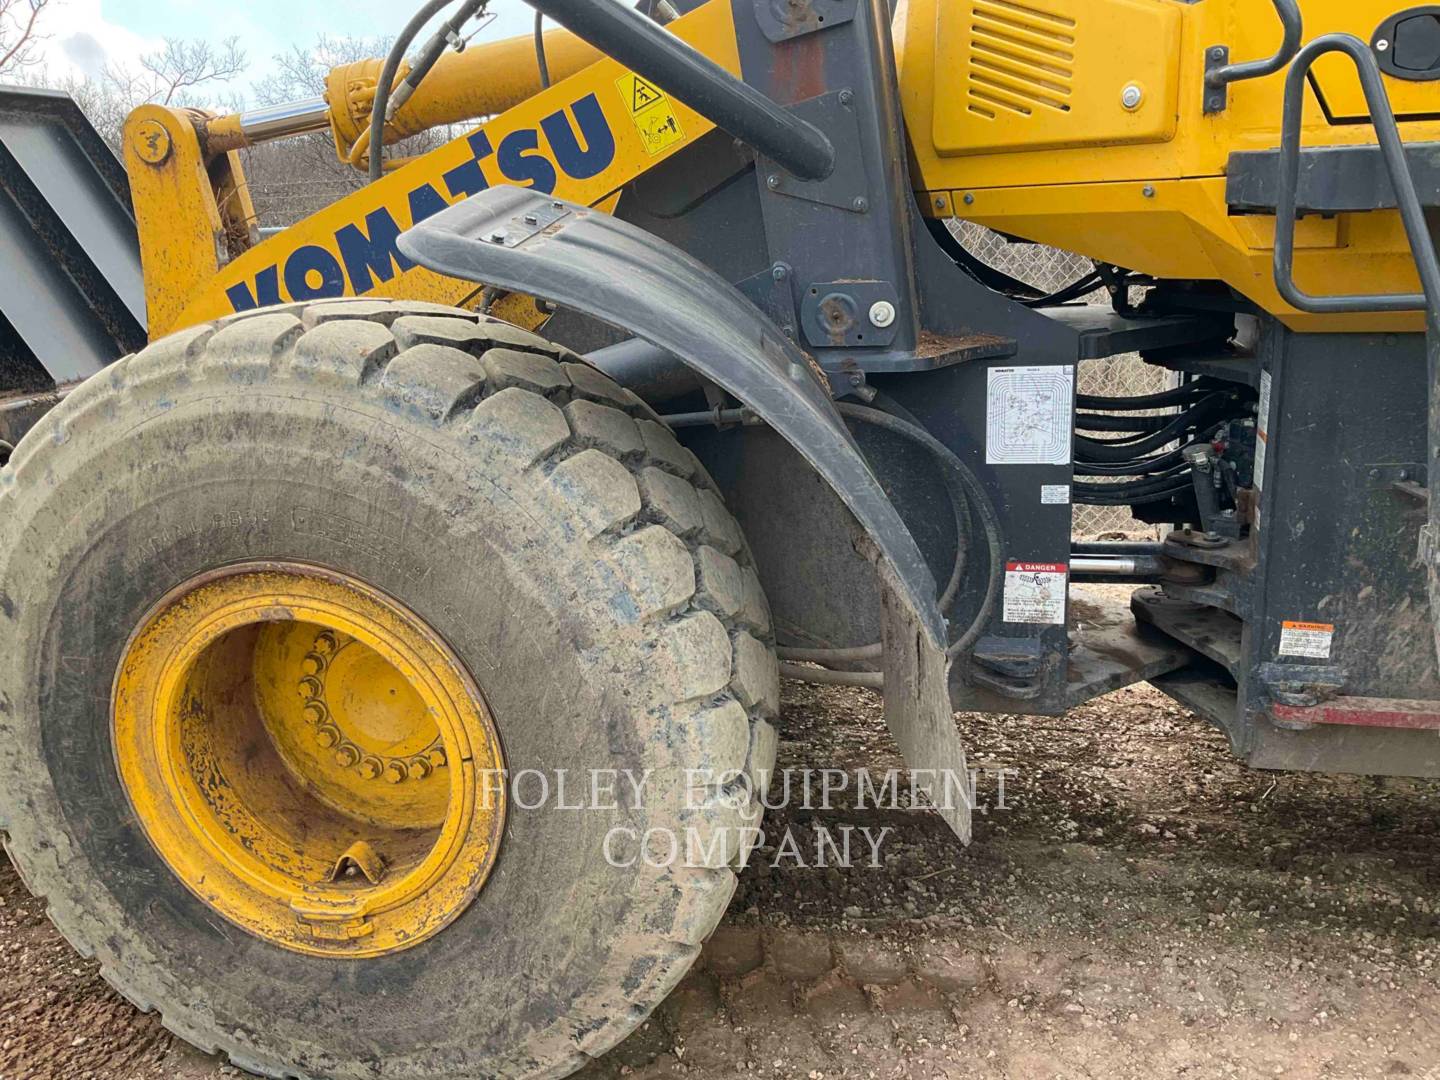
{"x": 308, "y": 757}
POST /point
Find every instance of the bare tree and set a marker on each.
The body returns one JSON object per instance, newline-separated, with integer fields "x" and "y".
{"x": 18, "y": 33}
{"x": 171, "y": 74}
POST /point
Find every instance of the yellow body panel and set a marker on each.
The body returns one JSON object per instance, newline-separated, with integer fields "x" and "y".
{"x": 1025, "y": 62}
{"x": 1089, "y": 194}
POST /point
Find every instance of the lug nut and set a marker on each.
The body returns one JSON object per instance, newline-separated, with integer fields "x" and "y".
{"x": 370, "y": 768}
{"x": 347, "y": 756}
{"x": 395, "y": 772}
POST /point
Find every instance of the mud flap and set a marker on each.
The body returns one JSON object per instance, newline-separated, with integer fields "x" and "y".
{"x": 593, "y": 263}
{"x": 918, "y": 713}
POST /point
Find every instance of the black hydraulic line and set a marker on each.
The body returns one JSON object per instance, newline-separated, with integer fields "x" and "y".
{"x": 1147, "y": 486}
{"x": 540, "y": 62}
{"x": 1179, "y": 396}
{"x": 1106, "y": 422}
{"x": 998, "y": 281}
{"x": 422, "y": 68}
{"x": 978, "y": 269}
{"x": 979, "y": 499}
{"x": 1137, "y": 467}
{"x": 648, "y": 50}
{"x": 1164, "y": 495}
{"x": 1084, "y": 287}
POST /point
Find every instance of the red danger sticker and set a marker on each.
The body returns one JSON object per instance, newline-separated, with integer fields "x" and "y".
{"x": 1035, "y": 593}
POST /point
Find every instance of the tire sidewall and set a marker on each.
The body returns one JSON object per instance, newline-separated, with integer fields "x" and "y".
{"x": 239, "y": 476}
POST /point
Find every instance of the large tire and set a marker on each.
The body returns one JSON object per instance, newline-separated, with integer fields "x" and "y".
{"x": 575, "y": 557}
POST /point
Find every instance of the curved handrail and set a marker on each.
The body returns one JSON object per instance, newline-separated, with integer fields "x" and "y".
{"x": 1392, "y": 150}
{"x": 1218, "y": 76}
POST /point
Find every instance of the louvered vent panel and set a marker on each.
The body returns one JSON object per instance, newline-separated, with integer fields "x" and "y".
{"x": 1021, "y": 60}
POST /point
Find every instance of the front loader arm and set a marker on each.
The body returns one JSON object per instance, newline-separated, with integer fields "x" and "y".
{"x": 582, "y": 140}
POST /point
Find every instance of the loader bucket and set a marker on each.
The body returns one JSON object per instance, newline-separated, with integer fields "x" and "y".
{"x": 73, "y": 298}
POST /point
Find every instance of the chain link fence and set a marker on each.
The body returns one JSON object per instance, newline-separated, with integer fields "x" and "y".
{"x": 1050, "y": 270}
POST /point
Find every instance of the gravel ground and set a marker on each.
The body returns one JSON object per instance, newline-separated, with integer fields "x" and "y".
{"x": 1142, "y": 907}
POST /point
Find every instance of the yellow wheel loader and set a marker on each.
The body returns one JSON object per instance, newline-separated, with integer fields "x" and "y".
{"x": 393, "y": 604}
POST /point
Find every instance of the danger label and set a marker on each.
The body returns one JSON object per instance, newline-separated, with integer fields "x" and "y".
{"x": 1310, "y": 639}
{"x": 1054, "y": 494}
{"x": 1035, "y": 593}
{"x": 651, "y": 112}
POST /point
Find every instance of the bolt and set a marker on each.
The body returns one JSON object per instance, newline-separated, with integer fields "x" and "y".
{"x": 1374, "y": 474}
{"x": 788, "y": 331}
{"x": 497, "y": 238}
{"x": 1217, "y": 53}
{"x": 437, "y": 757}
{"x": 557, "y": 205}
{"x": 772, "y": 181}
{"x": 940, "y": 202}
{"x": 327, "y": 737}
{"x": 1382, "y": 45}
{"x": 395, "y": 772}
{"x": 346, "y": 756}
{"x": 370, "y": 768}
{"x": 1132, "y": 96}
{"x": 861, "y": 204}
{"x": 846, "y": 97}
{"x": 969, "y": 198}
{"x": 856, "y": 379}
{"x": 314, "y": 713}
{"x": 779, "y": 271}
{"x": 152, "y": 142}
{"x": 882, "y": 313}
{"x": 419, "y": 769}
{"x": 1148, "y": 191}
{"x": 1404, "y": 474}
{"x": 531, "y": 219}
{"x": 1217, "y": 103}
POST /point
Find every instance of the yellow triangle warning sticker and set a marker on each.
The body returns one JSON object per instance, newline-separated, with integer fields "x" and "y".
{"x": 642, "y": 94}
{"x": 652, "y": 113}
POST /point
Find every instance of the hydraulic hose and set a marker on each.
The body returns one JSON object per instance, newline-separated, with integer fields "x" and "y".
{"x": 394, "y": 59}
{"x": 975, "y": 495}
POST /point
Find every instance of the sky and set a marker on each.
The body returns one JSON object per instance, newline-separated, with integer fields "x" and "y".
{"x": 82, "y": 36}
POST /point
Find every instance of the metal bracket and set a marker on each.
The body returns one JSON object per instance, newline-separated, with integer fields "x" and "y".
{"x": 839, "y": 313}
{"x": 847, "y": 186}
{"x": 781, "y": 20}
{"x": 1301, "y": 685}
{"x": 1217, "y": 96}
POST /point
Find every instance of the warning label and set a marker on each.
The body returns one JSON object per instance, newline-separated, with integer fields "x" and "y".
{"x": 651, "y": 111}
{"x": 1027, "y": 415}
{"x": 1035, "y": 593}
{"x": 1310, "y": 639}
{"x": 1054, "y": 494}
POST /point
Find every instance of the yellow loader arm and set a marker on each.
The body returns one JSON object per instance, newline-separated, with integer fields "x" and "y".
{"x": 582, "y": 140}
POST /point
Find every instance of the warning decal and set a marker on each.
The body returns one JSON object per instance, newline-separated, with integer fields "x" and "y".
{"x": 1035, "y": 593}
{"x": 1027, "y": 415}
{"x": 1054, "y": 494}
{"x": 1310, "y": 639}
{"x": 651, "y": 111}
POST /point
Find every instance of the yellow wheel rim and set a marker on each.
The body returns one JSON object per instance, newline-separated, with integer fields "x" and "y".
{"x": 309, "y": 758}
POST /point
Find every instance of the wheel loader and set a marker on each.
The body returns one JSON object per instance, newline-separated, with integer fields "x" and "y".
{"x": 547, "y": 451}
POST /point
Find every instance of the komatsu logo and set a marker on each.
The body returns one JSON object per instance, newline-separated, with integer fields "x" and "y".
{"x": 365, "y": 252}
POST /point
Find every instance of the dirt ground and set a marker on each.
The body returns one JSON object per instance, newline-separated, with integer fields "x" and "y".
{"x": 1144, "y": 907}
